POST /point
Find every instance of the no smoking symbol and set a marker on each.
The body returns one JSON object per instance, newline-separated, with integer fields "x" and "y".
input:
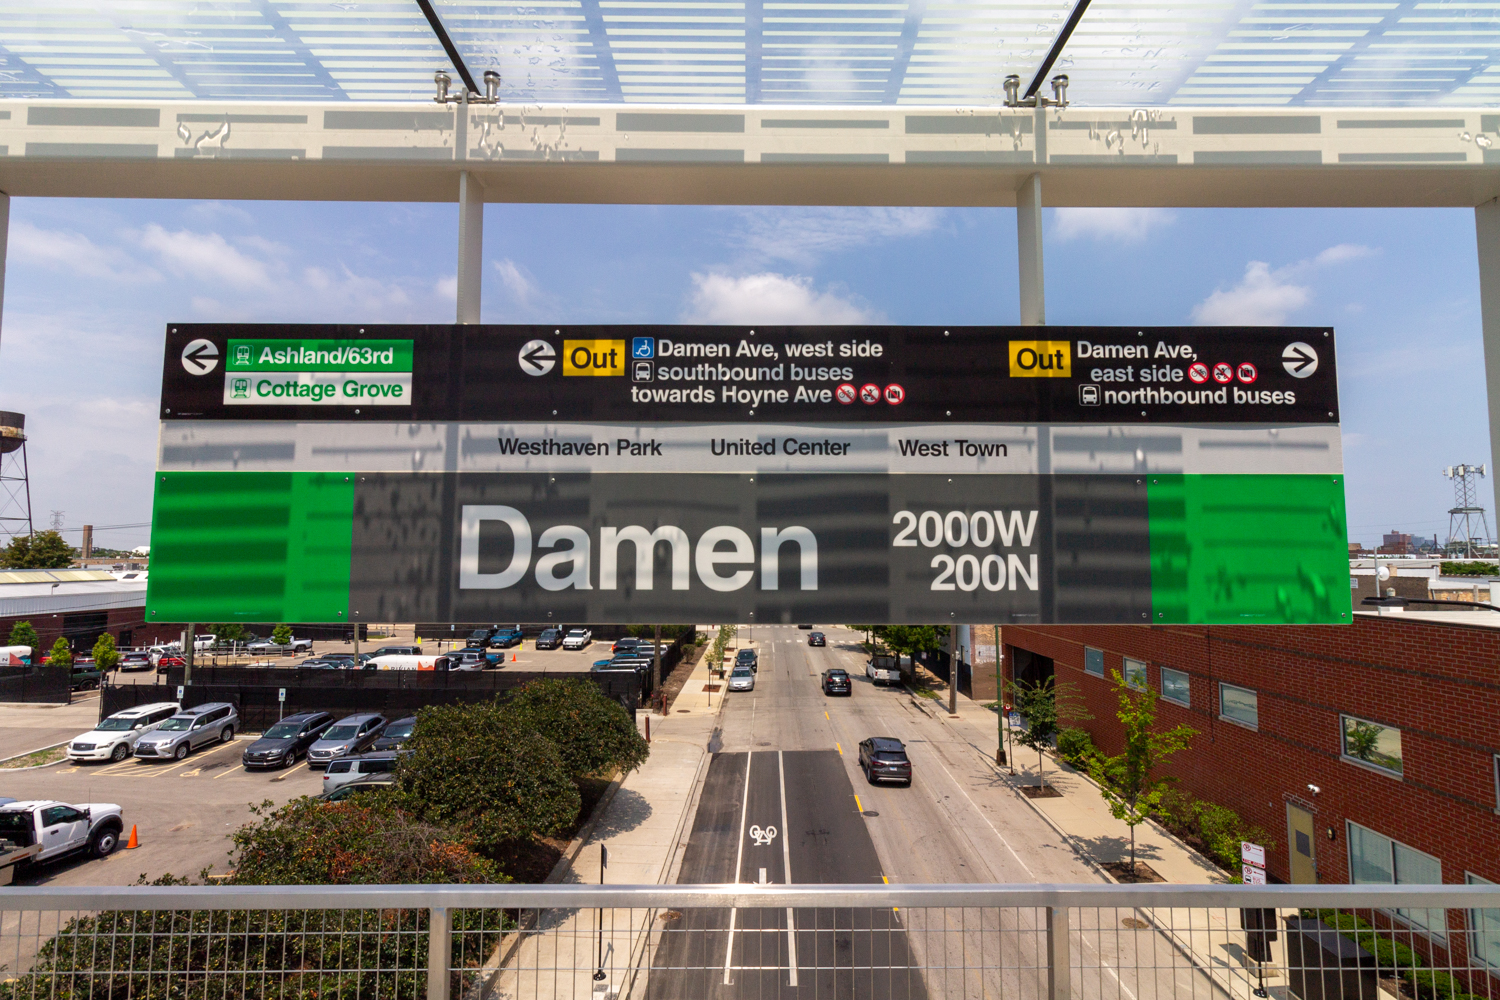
{"x": 869, "y": 393}
{"x": 1223, "y": 372}
{"x": 845, "y": 393}
{"x": 1198, "y": 372}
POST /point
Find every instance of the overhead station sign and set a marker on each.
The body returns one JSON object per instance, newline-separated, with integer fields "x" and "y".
{"x": 891, "y": 474}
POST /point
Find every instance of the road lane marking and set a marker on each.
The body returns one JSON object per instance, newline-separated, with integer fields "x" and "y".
{"x": 826, "y": 715}
{"x": 786, "y": 868}
{"x": 857, "y": 806}
{"x": 739, "y": 858}
{"x": 840, "y": 748}
{"x": 237, "y": 767}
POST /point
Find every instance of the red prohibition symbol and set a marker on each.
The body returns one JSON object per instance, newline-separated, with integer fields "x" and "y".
{"x": 845, "y": 393}
{"x": 1223, "y": 373}
{"x": 1198, "y": 372}
{"x": 894, "y": 394}
{"x": 869, "y": 393}
{"x": 1246, "y": 372}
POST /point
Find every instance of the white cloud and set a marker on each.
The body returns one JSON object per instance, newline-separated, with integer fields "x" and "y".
{"x": 447, "y": 288}
{"x": 771, "y": 299}
{"x": 1123, "y": 225}
{"x": 73, "y": 252}
{"x": 1266, "y": 297}
{"x": 522, "y": 287}
{"x": 205, "y": 256}
{"x": 805, "y": 235}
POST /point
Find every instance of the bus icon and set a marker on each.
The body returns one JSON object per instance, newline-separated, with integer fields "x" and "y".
{"x": 1088, "y": 395}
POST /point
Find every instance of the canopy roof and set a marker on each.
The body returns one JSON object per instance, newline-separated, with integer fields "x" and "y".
{"x": 1123, "y": 53}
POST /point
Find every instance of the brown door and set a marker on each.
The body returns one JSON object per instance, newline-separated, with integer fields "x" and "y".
{"x": 1300, "y": 841}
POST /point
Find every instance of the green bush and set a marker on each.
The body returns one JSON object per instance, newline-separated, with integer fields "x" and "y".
{"x": 22, "y": 634}
{"x": 593, "y": 732}
{"x": 1217, "y": 829}
{"x": 106, "y": 655}
{"x": 1470, "y": 569}
{"x": 1075, "y": 745}
{"x": 60, "y": 656}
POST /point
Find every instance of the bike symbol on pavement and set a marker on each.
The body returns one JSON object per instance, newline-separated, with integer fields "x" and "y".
{"x": 762, "y": 837}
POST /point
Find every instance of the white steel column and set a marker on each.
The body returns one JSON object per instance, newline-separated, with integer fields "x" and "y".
{"x": 1487, "y": 233}
{"x": 4, "y": 232}
{"x": 470, "y": 246}
{"x": 1029, "y": 245}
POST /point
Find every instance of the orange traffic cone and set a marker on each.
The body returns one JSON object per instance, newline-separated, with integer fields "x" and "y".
{"x": 134, "y": 840}
{"x": 514, "y": 658}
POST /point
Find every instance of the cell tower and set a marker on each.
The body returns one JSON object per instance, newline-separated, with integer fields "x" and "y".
{"x": 15, "y": 482}
{"x": 1466, "y": 515}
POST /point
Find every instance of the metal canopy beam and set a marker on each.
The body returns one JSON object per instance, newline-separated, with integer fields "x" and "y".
{"x": 693, "y": 154}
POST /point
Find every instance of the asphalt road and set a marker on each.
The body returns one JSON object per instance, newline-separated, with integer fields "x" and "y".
{"x": 957, "y": 823}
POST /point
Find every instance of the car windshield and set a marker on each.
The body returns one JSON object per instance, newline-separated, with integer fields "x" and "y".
{"x": 400, "y": 731}
{"x": 746, "y": 657}
{"x": 116, "y": 725}
{"x": 341, "y": 733}
{"x": 176, "y": 725}
{"x": 738, "y": 672}
{"x": 283, "y": 731}
{"x": 894, "y": 756}
{"x": 837, "y": 674}
{"x": 577, "y": 633}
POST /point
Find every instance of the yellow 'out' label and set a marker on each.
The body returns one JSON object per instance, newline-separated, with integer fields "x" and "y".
{"x": 593, "y": 357}
{"x": 1041, "y": 359}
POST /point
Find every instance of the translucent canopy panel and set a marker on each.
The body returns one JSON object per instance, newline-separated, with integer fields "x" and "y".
{"x": 1128, "y": 53}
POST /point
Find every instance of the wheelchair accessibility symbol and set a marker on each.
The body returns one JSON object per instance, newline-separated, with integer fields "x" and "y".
{"x": 762, "y": 837}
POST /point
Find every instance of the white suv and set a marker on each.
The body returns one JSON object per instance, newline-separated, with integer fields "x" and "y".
{"x": 578, "y": 638}
{"x": 115, "y": 738}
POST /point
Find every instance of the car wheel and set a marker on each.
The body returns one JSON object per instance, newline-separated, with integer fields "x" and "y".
{"x": 290, "y": 760}
{"x": 119, "y": 753}
{"x": 104, "y": 842}
{"x": 181, "y": 752}
{"x": 869, "y": 776}
{"x": 226, "y": 734}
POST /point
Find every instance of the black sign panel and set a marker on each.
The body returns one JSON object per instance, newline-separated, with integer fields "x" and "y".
{"x": 808, "y": 375}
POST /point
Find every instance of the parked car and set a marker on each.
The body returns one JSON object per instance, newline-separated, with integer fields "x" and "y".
{"x": 883, "y": 669}
{"x": 804, "y": 626}
{"x": 629, "y": 642}
{"x": 321, "y": 663}
{"x": 480, "y": 638}
{"x": 397, "y": 651}
{"x": 550, "y": 638}
{"x": 283, "y": 743}
{"x": 351, "y": 767}
{"x": 114, "y": 738}
{"x": 393, "y": 735}
{"x": 266, "y": 646}
{"x": 168, "y": 661}
{"x": 364, "y": 783}
{"x": 747, "y": 658}
{"x": 350, "y": 661}
{"x": 504, "y": 638}
{"x": 138, "y": 660}
{"x": 85, "y": 677}
{"x": 41, "y": 830}
{"x": 191, "y": 728}
{"x": 352, "y": 734}
{"x": 836, "y": 681}
{"x": 816, "y": 639}
{"x": 741, "y": 679}
{"x": 884, "y": 759}
{"x": 578, "y": 638}
{"x": 464, "y": 659}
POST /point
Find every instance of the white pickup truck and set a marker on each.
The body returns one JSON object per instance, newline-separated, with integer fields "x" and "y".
{"x": 40, "y": 830}
{"x": 884, "y": 669}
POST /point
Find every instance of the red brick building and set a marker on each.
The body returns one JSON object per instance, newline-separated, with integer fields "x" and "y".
{"x": 1370, "y": 752}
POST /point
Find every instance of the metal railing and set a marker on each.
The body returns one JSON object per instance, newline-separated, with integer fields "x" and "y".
{"x": 865, "y": 942}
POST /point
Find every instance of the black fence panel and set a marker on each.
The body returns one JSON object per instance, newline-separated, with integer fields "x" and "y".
{"x": 393, "y": 693}
{"x": 49, "y": 685}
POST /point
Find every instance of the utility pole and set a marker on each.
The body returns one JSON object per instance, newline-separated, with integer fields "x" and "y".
{"x": 952, "y": 669}
{"x": 656, "y": 663}
{"x": 188, "y": 645}
{"x": 1002, "y": 730}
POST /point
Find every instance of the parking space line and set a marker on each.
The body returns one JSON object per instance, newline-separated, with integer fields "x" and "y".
{"x": 237, "y": 767}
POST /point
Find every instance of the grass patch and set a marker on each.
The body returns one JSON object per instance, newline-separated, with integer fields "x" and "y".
{"x": 37, "y": 759}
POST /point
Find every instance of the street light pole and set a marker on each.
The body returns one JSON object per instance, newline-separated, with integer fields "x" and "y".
{"x": 1002, "y": 729}
{"x": 952, "y": 669}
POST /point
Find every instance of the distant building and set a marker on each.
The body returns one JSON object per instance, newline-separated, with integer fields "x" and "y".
{"x": 1396, "y": 543}
{"x": 1357, "y": 550}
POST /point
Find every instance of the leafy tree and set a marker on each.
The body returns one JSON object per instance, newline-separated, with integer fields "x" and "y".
{"x": 106, "y": 656}
{"x": 368, "y": 841}
{"x": 1045, "y": 704}
{"x": 1361, "y": 739}
{"x": 229, "y": 632}
{"x": 281, "y": 634}
{"x": 476, "y": 769}
{"x": 44, "y": 550}
{"x": 61, "y": 655}
{"x": 22, "y": 634}
{"x": 592, "y": 732}
{"x": 1128, "y": 780}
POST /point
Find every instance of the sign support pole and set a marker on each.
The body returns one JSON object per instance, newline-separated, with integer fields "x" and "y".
{"x": 1029, "y": 247}
{"x": 470, "y": 244}
{"x": 1487, "y": 233}
{"x": 952, "y": 669}
{"x": 656, "y": 665}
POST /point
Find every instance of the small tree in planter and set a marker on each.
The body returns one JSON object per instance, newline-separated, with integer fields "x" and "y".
{"x": 61, "y": 655}
{"x": 1128, "y": 780}
{"x": 106, "y": 656}
{"x": 1045, "y": 704}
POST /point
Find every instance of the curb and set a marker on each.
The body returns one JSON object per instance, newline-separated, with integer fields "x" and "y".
{"x": 575, "y": 847}
{"x": 28, "y": 753}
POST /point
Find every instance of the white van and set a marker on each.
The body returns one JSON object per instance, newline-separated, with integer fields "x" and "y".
{"x": 398, "y": 662}
{"x": 15, "y": 656}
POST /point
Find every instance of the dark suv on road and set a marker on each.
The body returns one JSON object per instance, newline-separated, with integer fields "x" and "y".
{"x": 283, "y": 743}
{"x": 480, "y": 638}
{"x": 816, "y": 639}
{"x": 884, "y": 759}
{"x": 836, "y": 681}
{"x": 748, "y": 658}
{"x": 550, "y": 638}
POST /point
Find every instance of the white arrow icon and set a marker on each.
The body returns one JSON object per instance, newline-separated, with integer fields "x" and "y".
{"x": 537, "y": 357}
{"x": 200, "y": 357}
{"x": 1299, "y": 359}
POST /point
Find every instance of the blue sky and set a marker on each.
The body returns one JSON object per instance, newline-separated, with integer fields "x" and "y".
{"x": 91, "y": 285}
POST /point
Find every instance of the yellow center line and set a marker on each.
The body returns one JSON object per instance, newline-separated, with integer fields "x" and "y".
{"x": 826, "y": 716}
{"x": 840, "y": 749}
{"x": 857, "y": 804}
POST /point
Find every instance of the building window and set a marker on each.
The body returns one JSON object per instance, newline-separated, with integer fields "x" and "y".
{"x": 1371, "y": 743}
{"x": 1093, "y": 661}
{"x": 1175, "y": 687}
{"x": 1484, "y": 930}
{"x": 1239, "y": 704}
{"x": 1135, "y": 674}
{"x": 1377, "y": 859}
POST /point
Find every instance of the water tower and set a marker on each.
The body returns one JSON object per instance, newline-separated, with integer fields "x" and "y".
{"x": 15, "y": 483}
